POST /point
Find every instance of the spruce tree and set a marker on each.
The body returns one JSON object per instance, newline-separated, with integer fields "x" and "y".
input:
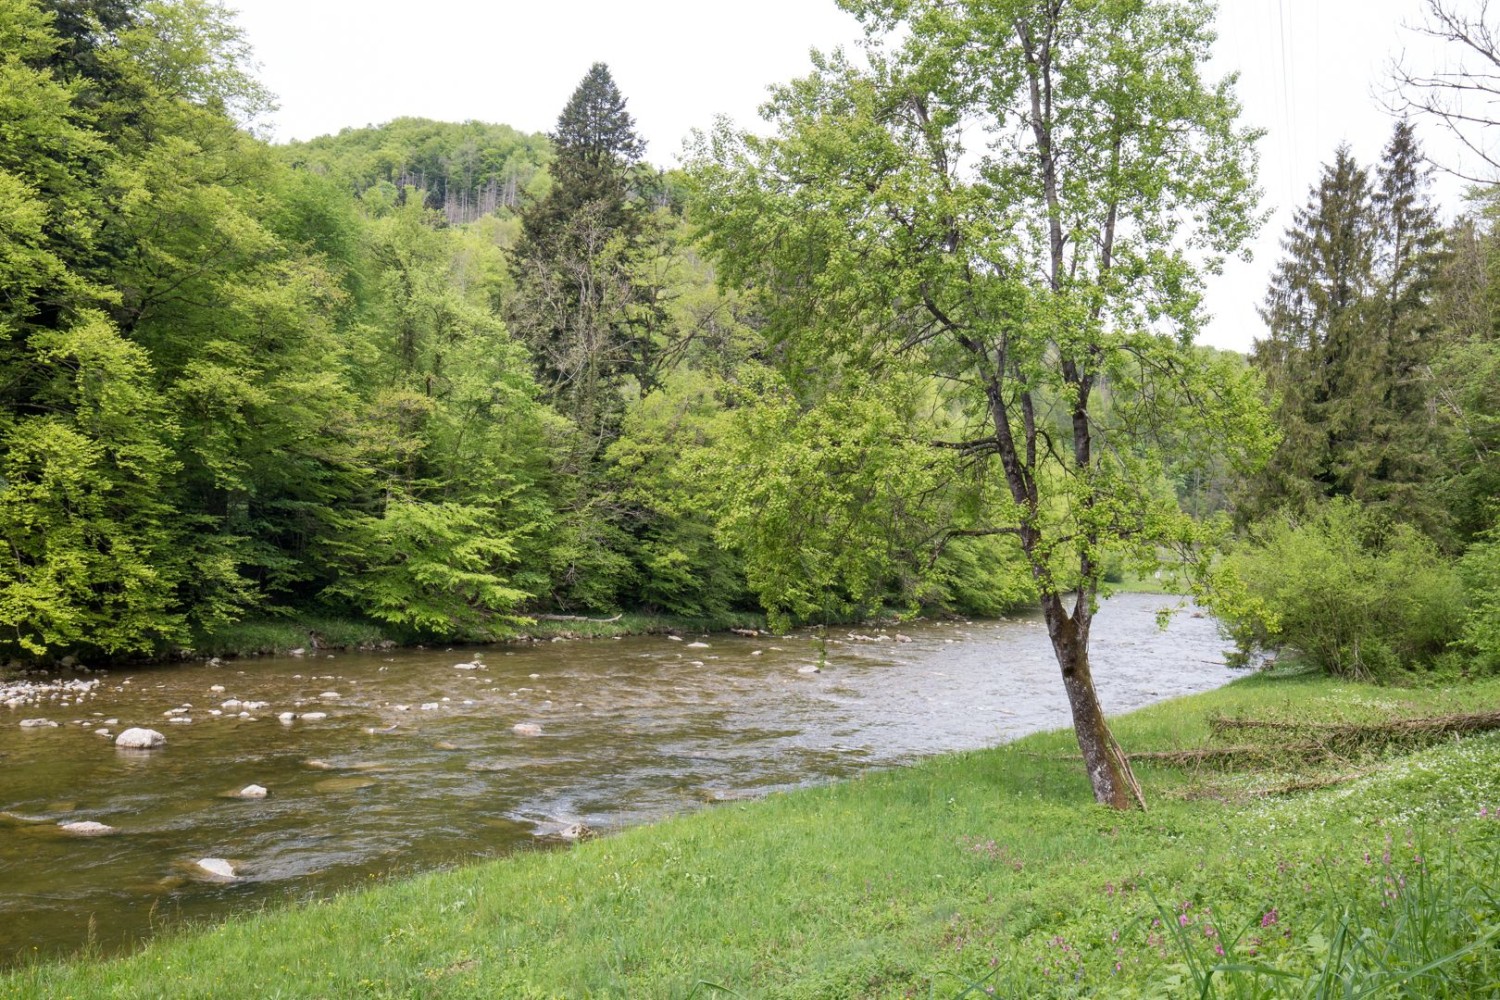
{"x": 1350, "y": 336}
{"x": 581, "y": 304}
{"x": 1408, "y": 263}
{"x": 1314, "y": 355}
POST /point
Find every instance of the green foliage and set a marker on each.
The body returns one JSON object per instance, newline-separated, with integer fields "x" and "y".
{"x": 1351, "y": 335}
{"x": 83, "y": 512}
{"x": 465, "y": 171}
{"x": 1359, "y": 595}
{"x": 431, "y": 567}
{"x": 1480, "y": 568}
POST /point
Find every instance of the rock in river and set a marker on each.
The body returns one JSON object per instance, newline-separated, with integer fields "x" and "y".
{"x": 253, "y": 792}
{"x": 526, "y": 729}
{"x": 86, "y": 829}
{"x": 38, "y": 724}
{"x": 215, "y": 866}
{"x": 140, "y": 739}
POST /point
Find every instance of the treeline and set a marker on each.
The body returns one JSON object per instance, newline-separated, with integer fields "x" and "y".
{"x": 1371, "y": 542}
{"x": 438, "y": 376}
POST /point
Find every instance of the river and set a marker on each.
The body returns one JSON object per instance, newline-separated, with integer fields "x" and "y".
{"x": 419, "y": 763}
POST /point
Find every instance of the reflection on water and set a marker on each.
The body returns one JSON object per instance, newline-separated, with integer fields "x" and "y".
{"x": 421, "y": 763}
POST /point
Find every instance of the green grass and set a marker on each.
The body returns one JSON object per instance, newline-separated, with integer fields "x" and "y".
{"x": 965, "y": 873}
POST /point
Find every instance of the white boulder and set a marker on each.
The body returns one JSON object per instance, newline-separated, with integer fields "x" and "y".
{"x": 86, "y": 829}
{"x": 38, "y": 724}
{"x": 217, "y": 867}
{"x": 253, "y": 792}
{"x": 314, "y": 716}
{"x": 526, "y": 729}
{"x": 140, "y": 739}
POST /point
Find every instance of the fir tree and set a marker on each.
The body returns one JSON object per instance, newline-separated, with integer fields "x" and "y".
{"x": 1350, "y": 336}
{"x": 1409, "y": 260}
{"x": 1316, "y": 314}
{"x": 582, "y": 304}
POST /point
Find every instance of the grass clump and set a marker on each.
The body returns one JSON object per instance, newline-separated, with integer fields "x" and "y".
{"x": 963, "y": 875}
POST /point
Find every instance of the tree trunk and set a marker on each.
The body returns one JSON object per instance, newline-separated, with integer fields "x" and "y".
{"x": 1108, "y": 768}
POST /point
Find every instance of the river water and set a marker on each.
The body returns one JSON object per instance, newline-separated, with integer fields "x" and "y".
{"x": 419, "y": 764}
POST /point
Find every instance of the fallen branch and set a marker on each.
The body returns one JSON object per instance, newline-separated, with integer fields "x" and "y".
{"x": 1363, "y": 732}
{"x": 578, "y": 618}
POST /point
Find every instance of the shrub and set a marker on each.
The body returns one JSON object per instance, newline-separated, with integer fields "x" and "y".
{"x": 1360, "y": 596}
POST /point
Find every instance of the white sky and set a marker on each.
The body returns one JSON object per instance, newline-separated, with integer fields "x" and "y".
{"x": 1310, "y": 73}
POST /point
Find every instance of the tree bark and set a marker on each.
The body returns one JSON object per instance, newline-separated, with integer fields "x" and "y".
{"x": 1108, "y": 768}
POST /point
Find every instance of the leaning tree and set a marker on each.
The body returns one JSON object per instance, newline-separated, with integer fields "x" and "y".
{"x": 1022, "y": 197}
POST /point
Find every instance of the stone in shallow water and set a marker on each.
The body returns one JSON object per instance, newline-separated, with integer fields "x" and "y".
{"x": 253, "y": 792}
{"x": 343, "y": 784}
{"x": 526, "y": 729}
{"x": 38, "y": 724}
{"x": 314, "y": 716}
{"x": 140, "y": 739}
{"x": 217, "y": 867}
{"x": 86, "y": 829}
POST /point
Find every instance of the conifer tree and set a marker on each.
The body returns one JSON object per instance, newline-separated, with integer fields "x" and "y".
{"x": 1316, "y": 313}
{"x": 1409, "y": 259}
{"x": 1350, "y": 335}
{"x": 581, "y": 303}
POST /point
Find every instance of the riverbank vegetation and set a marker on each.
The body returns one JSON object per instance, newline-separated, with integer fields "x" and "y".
{"x": 1267, "y": 873}
{"x": 445, "y": 378}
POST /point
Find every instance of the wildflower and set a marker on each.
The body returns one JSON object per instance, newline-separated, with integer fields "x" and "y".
{"x": 1182, "y": 921}
{"x": 1269, "y": 917}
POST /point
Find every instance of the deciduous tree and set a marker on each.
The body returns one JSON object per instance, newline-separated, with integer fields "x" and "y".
{"x": 1022, "y": 197}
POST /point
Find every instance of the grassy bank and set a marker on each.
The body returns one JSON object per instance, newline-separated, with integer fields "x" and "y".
{"x": 987, "y": 871}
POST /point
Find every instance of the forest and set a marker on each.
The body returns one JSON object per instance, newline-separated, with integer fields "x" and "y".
{"x": 450, "y": 377}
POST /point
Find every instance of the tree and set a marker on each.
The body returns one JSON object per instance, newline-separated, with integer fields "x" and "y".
{"x": 1314, "y": 354}
{"x": 583, "y": 304}
{"x": 1059, "y": 264}
{"x": 1350, "y": 336}
{"x": 1461, "y": 95}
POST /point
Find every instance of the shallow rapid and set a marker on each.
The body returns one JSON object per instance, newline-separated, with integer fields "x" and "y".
{"x": 431, "y": 757}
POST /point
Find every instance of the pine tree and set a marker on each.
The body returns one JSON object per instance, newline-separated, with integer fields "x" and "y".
{"x": 1351, "y": 335}
{"x": 582, "y": 304}
{"x": 1410, "y": 259}
{"x": 1316, "y": 313}
{"x": 587, "y": 305}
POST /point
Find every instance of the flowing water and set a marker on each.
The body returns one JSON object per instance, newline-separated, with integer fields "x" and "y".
{"x": 419, "y": 763}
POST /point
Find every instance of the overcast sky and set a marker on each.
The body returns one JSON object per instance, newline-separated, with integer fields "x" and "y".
{"x": 1311, "y": 72}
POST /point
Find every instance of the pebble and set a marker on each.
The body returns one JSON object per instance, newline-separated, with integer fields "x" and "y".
{"x": 314, "y": 716}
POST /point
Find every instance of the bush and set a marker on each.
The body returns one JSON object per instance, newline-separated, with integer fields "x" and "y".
{"x": 1480, "y": 568}
{"x": 1357, "y": 594}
